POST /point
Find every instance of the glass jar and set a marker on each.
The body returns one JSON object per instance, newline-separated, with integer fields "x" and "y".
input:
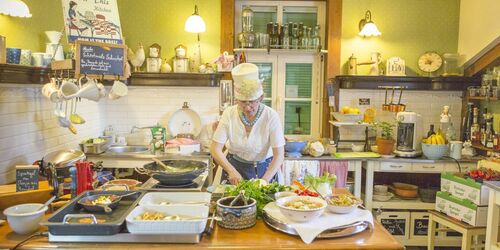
{"x": 473, "y": 91}
{"x": 451, "y": 66}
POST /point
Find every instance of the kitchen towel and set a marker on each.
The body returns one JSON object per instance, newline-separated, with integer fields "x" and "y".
{"x": 296, "y": 170}
{"x": 339, "y": 168}
{"x": 308, "y": 231}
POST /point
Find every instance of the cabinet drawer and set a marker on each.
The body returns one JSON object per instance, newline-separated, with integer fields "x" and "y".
{"x": 427, "y": 167}
{"x": 395, "y": 166}
{"x": 453, "y": 167}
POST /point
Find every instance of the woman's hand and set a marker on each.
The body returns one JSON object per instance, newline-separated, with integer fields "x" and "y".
{"x": 234, "y": 177}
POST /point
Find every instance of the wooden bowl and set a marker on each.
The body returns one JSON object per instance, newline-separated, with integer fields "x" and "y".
{"x": 405, "y": 190}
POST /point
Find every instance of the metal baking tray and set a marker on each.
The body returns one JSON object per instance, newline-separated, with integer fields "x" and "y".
{"x": 64, "y": 220}
{"x": 335, "y": 232}
{"x": 127, "y": 237}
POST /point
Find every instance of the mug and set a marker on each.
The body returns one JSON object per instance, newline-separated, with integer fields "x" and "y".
{"x": 56, "y": 50}
{"x": 50, "y": 91}
{"x": 118, "y": 90}
{"x": 37, "y": 59}
{"x": 89, "y": 90}
{"x": 25, "y": 57}
{"x": 68, "y": 89}
{"x": 13, "y": 55}
{"x": 456, "y": 149}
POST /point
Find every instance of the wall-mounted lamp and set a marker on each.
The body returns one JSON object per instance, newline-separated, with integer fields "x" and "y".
{"x": 367, "y": 27}
{"x": 16, "y": 8}
{"x": 194, "y": 23}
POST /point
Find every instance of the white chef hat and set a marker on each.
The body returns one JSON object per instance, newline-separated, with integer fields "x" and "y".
{"x": 247, "y": 85}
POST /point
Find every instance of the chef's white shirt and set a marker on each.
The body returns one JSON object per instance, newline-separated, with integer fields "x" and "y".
{"x": 266, "y": 134}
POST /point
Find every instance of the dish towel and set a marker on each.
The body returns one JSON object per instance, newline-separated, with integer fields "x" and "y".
{"x": 308, "y": 231}
{"x": 296, "y": 170}
{"x": 339, "y": 168}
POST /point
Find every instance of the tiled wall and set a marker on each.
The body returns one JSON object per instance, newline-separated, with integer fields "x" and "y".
{"x": 429, "y": 104}
{"x": 29, "y": 129}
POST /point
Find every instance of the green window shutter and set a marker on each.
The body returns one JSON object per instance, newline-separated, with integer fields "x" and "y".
{"x": 300, "y": 74}
{"x": 292, "y": 111}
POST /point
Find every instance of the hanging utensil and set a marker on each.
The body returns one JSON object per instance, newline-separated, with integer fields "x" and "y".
{"x": 74, "y": 117}
{"x": 401, "y": 107}
{"x": 298, "y": 130}
{"x": 393, "y": 107}
{"x": 385, "y": 106}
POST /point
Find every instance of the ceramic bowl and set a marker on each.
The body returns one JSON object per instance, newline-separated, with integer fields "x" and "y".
{"x": 383, "y": 197}
{"x": 380, "y": 188}
{"x": 434, "y": 151}
{"x": 300, "y": 215}
{"x": 294, "y": 146}
{"x": 342, "y": 209}
{"x": 279, "y": 195}
{"x": 25, "y": 218}
{"x": 347, "y": 117}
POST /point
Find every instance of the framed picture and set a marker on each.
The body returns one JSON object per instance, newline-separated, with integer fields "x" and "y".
{"x": 395, "y": 66}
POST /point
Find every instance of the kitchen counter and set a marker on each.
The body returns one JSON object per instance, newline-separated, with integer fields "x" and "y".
{"x": 495, "y": 185}
{"x": 421, "y": 159}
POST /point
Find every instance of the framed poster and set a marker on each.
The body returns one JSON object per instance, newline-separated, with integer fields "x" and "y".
{"x": 100, "y": 60}
{"x": 95, "y": 21}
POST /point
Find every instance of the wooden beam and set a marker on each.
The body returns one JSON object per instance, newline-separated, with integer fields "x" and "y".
{"x": 227, "y": 25}
{"x": 490, "y": 58}
{"x": 332, "y": 63}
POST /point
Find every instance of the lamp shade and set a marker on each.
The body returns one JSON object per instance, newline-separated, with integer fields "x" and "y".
{"x": 16, "y": 8}
{"x": 370, "y": 29}
{"x": 194, "y": 23}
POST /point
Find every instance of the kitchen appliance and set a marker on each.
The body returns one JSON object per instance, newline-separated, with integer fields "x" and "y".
{"x": 408, "y": 134}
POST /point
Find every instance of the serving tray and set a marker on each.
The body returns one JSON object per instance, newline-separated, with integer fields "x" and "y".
{"x": 62, "y": 222}
{"x": 335, "y": 232}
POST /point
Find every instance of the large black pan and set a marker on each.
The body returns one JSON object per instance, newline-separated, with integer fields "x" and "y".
{"x": 88, "y": 204}
{"x": 175, "y": 172}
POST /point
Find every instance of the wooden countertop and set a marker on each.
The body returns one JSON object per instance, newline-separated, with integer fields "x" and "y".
{"x": 258, "y": 237}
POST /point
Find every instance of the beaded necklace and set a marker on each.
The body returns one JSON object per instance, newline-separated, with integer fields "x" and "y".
{"x": 245, "y": 120}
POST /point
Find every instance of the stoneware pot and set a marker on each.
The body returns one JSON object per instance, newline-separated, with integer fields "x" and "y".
{"x": 385, "y": 147}
{"x": 236, "y": 217}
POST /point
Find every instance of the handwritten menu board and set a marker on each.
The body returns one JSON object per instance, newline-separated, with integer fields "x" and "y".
{"x": 100, "y": 60}
{"x": 420, "y": 226}
{"x": 394, "y": 226}
{"x": 26, "y": 177}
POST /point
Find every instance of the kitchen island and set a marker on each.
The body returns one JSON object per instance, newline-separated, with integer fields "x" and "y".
{"x": 258, "y": 237}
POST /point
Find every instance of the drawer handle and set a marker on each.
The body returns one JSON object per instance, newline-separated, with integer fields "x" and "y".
{"x": 429, "y": 167}
{"x": 394, "y": 166}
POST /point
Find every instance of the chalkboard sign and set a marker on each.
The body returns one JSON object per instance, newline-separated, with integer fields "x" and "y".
{"x": 100, "y": 60}
{"x": 395, "y": 226}
{"x": 420, "y": 227}
{"x": 26, "y": 177}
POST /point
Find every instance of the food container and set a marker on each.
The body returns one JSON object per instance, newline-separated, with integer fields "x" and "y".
{"x": 95, "y": 148}
{"x": 175, "y": 198}
{"x": 428, "y": 194}
{"x": 121, "y": 184}
{"x": 236, "y": 217}
{"x": 405, "y": 190}
{"x": 451, "y": 66}
{"x": 192, "y": 220}
{"x": 301, "y": 215}
{"x": 337, "y": 209}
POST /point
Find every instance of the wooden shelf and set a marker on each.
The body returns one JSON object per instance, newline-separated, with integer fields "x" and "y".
{"x": 20, "y": 74}
{"x": 175, "y": 79}
{"x": 458, "y": 83}
{"x": 481, "y": 147}
{"x": 399, "y": 204}
{"x": 481, "y": 98}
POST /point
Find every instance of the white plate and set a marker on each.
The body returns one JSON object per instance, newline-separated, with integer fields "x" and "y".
{"x": 184, "y": 121}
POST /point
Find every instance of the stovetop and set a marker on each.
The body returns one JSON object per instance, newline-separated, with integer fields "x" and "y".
{"x": 196, "y": 186}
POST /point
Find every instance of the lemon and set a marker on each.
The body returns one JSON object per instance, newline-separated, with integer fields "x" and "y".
{"x": 345, "y": 110}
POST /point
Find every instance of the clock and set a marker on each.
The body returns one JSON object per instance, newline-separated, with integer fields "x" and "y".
{"x": 430, "y": 62}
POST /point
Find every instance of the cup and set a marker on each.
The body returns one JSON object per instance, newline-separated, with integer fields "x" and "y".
{"x": 89, "y": 90}
{"x": 50, "y": 91}
{"x": 456, "y": 149}
{"x": 13, "y": 55}
{"x": 263, "y": 40}
{"x": 37, "y": 59}
{"x": 68, "y": 89}
{"x": 46, "y": 59}
{"x": 56, "y": 50}
{"x": 119, "y": 89}
{"x": 25, "y": 57}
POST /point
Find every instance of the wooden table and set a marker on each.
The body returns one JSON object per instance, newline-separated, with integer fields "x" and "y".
{"x": 468, "y": 232}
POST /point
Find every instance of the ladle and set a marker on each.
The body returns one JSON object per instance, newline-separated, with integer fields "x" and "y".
{"x": 74, "y": 117}
{"x": 47, "y": 203}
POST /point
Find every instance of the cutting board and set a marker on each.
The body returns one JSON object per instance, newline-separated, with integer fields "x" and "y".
{"x": 357, "y": 155}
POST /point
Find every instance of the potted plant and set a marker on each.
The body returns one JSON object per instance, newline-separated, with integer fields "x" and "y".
{"x": 385, "y": 143}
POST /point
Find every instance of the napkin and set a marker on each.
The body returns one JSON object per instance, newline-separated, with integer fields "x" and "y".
{"x": 308, "y": 231}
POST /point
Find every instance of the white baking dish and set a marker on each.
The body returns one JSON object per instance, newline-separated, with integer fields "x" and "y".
{"x": 191, "y": 226}
{"x": 175, "y": 198}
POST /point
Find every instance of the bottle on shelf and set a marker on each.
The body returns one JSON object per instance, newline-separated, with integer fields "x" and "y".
{"x": 295, "y": 37}
{"x": 304, "y": 41}
{"x": 475, "y": 130}
{"x": 483, "y": 134}
{"x": 431, "y": 131}
{"x": 496, "y": 141}
{"x": 468, "y": 122}
{"x": 286, "y": 36}
{"x": 451, "y": 134}
{"x": 315, "y": 42}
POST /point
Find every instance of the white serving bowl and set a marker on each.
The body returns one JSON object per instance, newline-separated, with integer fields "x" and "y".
{"x": 383, "y": 197}
{"x": 279, "y": 195}
{"x": 300, "y": 215}
{"x": 342, "y": 209}
{"x": 347, "y": 117}
{"x": 25, "y": 218}
{"x": 434, "y": 151}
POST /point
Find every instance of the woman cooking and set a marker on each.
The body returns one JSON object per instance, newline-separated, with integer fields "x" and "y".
{"x": 252, "y": 131}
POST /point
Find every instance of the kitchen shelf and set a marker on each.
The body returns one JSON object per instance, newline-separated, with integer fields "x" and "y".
{"x": 290, "y": 51}
{"x": 20, "y": 74}
{"x": 340, "y": 124}
{"x": 458, "y": 83}
{"x": 481, "y": 98}
{"x": 400, "y": 204}
{"x": 481, "y": 147}
{"x": 175, "y": 79}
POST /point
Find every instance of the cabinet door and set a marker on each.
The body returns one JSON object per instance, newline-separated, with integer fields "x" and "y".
{"x": 298, "y": 92}
{"x": 267, "y": 71}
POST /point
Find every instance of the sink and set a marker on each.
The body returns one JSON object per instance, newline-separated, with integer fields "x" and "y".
{"x": 127, "y": 149}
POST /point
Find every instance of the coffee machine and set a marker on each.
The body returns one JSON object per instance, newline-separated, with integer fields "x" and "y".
{"x": 409, "y": 134}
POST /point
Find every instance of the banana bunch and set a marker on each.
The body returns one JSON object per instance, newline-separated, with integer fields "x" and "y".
{"x": 435, "y": 139}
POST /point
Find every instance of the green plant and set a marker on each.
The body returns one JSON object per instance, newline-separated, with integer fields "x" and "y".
{"x": 386, "y": 129}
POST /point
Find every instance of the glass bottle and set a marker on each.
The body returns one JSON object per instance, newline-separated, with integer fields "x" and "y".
{"x": 451, "y": 134}
{"x": 315, "y": 41}
{"x": 274, "y": 36}
{"x": 431, "y": 131}
{"x": 300, "y": 34}
{"x": 468, "y": 122}
{"x": 295, "y": 37}
{"x": 489, "y": 135}
{"x": 475, "y": 130}
{"x": 304, "y": 40}
{"x": 286, "y": 36}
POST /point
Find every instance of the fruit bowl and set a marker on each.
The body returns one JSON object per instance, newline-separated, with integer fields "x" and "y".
{"x": 347, "y": 117}
{"x": 434, "y": 151}
{"x": 294, "y": 147}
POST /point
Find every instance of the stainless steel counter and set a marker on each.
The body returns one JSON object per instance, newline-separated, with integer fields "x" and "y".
{"x": 394, "y": 159}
